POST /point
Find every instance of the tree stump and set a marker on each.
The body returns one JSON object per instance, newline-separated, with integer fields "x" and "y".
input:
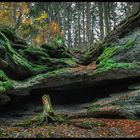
{"x": 48, "y": 114}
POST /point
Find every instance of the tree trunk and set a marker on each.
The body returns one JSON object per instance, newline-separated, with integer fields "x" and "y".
{"x": 69, "y": 27}
{"x": 14, "y": 12}
{"x": 136, "y": 7}
{"x": 48, "y": 112}
{"x": 64, "y": 20}
{"x": 75, "y": 37}
{"x": 113, "y": 8}
{"x": 84, "y": 34}
{"x": 101, "y": 20}
{"x": 79, "y": 25}
{"x": 18, "y": 21}
{"x": 88, "y": 26}
{"x": 92, "y": 30}
{"x": 106, "y": 17}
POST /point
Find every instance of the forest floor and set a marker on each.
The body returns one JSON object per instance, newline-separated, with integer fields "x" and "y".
{"x": 79, "y": 127}
{"x": 82, "y": 128}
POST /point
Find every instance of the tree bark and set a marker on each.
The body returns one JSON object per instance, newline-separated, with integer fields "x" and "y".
{"x": 135, "y": 7}
{"x": 88, "y": 24}
{"x": 48, "y": 113}
{"x": 79, "y": 25}
{"x": 84, "y": 33}
{"x": 69, "y": 26}
{"x": 106, "y": 17}
{"x": 101, "y": 20}
{"x": 113, "y": 8}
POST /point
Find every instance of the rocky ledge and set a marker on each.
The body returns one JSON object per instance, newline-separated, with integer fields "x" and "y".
{"x": 24, "y": 68}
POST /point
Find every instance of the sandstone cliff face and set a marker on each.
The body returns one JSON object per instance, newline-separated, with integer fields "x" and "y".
{"x": 24, "y": 68}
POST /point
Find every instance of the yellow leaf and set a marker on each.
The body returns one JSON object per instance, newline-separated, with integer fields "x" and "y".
{"x": 41, "y": 17}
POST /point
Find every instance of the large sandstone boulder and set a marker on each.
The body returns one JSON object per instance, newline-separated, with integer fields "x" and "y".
{"x": 24, "y": 68}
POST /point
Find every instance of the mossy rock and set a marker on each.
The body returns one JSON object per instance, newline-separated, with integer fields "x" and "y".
{"x": 3, "y": 133}
{"x": 5, "y": 82}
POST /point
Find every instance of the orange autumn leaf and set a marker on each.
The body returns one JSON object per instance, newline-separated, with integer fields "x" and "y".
{"x": 25, "y": 8}
{"x": 27, "y": 21}
{"x": 54, "y": 27}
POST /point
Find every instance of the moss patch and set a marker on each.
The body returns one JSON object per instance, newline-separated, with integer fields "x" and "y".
{"x": 90, "y": 125}
{"x": 3, "y": 133}
{"x": 111, "y": 51}
{"x": 108, "y": 63}
{"x": 5, "y": 82}
{"x": 94, "y": 107}
{"x": 31, "y": 61}
{"x": 26, "y": 123}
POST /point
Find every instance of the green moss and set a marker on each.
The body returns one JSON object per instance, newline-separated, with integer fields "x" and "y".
{"x": 5, "y": 85}
{"x": 28, "y": 65}
{"x": 33, "y": 61}
{"x": 57, "y": 41}
{"x": 19, "y": 59}
{"x": 108, "y": 63}
{"x": 90, "y": 125}
{"x": 36, "y": 51}
{"x": 48, "y": 115}
{"x": 70, "y": 61}
{"x": 5, "y": 82}
{"x": 94, "y": 107}
{"x": 3, "y": 133}
{"x": 29, "y": 122}
{"x": 58, "y": 72}
{"x": 111, "y": 51}
{"x": 12, "y": 35}
{"x": 35, "y": 79}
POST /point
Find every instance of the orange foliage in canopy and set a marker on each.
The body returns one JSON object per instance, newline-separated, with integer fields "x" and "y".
{"x": 6, "y": 13}
{"x": 18, "y": 15}
{"x": 27, "y": 21}
{"x": 11, "y": 10}
{"x": 25, "y": 8}
{"x": 54, "y": 28}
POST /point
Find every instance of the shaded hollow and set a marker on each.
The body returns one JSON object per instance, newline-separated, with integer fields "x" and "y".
{"x": 63, "y": 100}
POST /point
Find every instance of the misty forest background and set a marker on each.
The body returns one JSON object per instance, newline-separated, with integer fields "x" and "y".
{"x": 81, "y": 24}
